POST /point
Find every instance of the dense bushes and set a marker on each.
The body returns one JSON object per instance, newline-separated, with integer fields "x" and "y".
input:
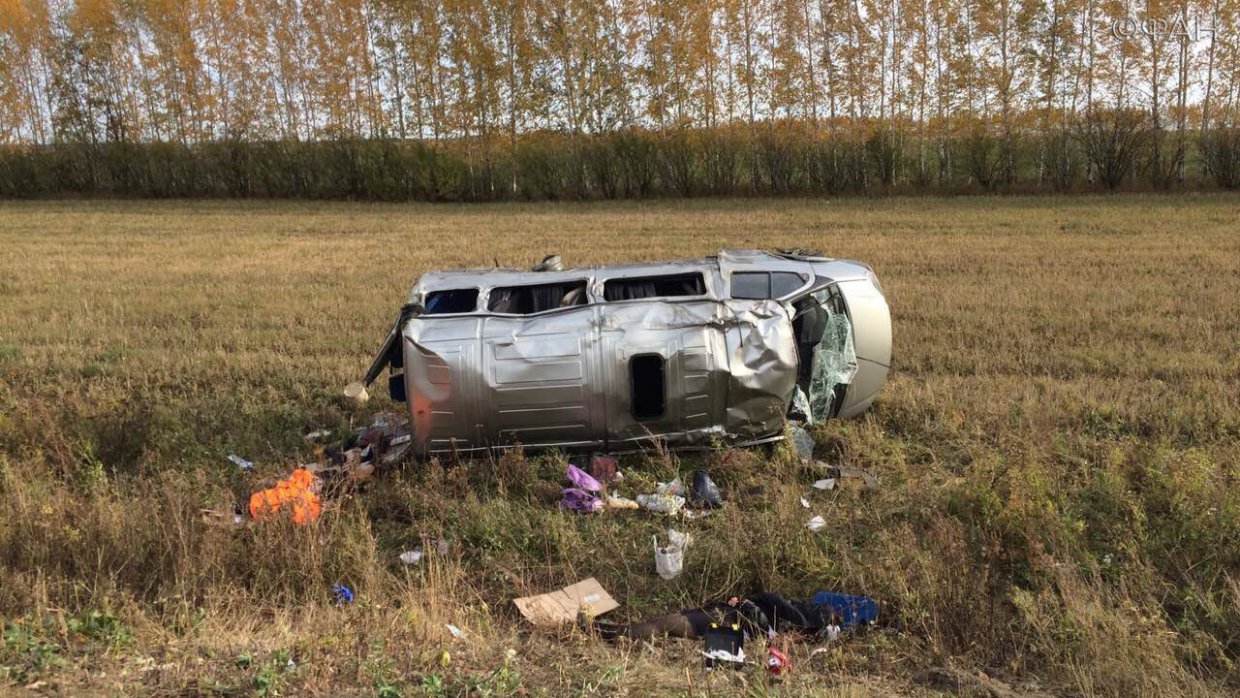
{"x": 1107, "y": 150}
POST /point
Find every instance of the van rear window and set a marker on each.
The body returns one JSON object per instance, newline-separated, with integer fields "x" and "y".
{"x": 667, "y": 286}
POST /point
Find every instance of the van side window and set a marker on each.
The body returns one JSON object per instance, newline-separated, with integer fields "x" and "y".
{"x": 524, "y": 300}
{"x": 761, "y": 285}
{"x": 785, "y": 282}
{"x": 755, "y": 285}
{"x": 457, "y": 300}
{"x": 668, "y": 286}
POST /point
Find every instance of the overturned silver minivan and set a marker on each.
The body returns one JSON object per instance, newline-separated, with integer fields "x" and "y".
{"x": 692, "y": 353}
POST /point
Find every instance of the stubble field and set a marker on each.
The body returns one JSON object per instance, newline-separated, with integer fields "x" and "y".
{"x": 1059, "y": 511}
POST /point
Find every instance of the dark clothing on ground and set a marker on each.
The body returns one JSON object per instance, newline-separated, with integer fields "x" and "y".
{"x": 754, "y": 614}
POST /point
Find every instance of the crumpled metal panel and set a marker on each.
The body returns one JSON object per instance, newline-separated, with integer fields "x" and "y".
{"x": 763, "y": 371}
{"x": 562, "y": 378}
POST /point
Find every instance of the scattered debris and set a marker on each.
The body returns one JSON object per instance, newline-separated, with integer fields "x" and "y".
{"x": 603, "y": 468}
{"x": 563, "y": 605}
{"x": 397, "y": 448}
{"x": 825, "y": 485}
{"x": 581, "y": 497}
{"x": 668, "y": 498}
{"x": 723, "y": 645}
{"x": 317, "y": 435}
{"x": 674, "y": 488}
{"x": 868, "y": 480}
{"x": 802, "y": 443}
{"x": 240, "y": 462}
{"x": 580, "y": 501}
{"x": 704, "y": 491}
{"x": 356, "y": 392}
{"x": 816, "y": 524}
{"x": 669, "y": 504}
{"x": 341, "y": 594}
{"x": 851, "y": 609}
{"x": 455, "y": 631}
{"x": 615, "y": 502}
{"x": 669, "y": 560}
{"x": 582, "y": 479}
{"x": 764, "y": 613}
{"x": 777, "y": 663}
{"x": 299, "y": 491}
{"x": 411, "y": 557}
{"x": 804, "y": 502}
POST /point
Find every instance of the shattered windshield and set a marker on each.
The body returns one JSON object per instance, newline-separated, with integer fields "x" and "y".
{"x": 835, "y": 359}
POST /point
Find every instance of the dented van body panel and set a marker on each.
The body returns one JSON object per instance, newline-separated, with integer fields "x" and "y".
{"x": 689, "y": 354}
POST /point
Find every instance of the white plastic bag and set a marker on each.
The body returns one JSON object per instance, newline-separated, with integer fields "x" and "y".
{"x": 669, "y": 504}
{"x": 669, "y": 561}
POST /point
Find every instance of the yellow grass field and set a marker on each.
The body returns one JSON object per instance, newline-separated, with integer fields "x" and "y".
{"x": 1058, "y": 451}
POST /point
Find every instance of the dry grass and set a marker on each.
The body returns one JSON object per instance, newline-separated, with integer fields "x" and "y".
{"x": 1057, "y": 450}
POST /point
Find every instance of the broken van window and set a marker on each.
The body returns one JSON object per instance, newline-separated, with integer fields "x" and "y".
{"x": 835, "y": 358}
{"x": 654, "y": 287}
{"x": 524, "y": 300}
{"x": 457, "y": 300}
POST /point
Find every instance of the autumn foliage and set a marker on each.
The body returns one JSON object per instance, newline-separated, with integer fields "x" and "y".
{"x": 490, "y": 99}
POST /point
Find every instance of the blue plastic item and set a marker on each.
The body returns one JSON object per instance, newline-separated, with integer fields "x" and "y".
{"x": 853, "y": 610}
{"x": 341, "y": 594}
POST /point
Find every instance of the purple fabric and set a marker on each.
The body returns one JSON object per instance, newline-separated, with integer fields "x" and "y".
{"x": 580, "y": 501}
{"x": 582, "y": 479}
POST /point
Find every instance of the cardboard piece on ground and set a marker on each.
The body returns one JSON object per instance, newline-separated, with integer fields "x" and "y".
{"x": 562, "y": 605}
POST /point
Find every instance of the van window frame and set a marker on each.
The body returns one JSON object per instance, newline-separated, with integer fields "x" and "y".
{"x": 583, "y": 281}
{"x": 701, "y": 279}
{"x": 770, "y": 284}
{"x": 427, "y": 296}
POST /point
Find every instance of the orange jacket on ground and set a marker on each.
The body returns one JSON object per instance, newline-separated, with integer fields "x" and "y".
{"x": 295, "y": 491}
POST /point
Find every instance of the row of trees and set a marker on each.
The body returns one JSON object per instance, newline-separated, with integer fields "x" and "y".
{"x": 498, "y": 96}
{"x": 1106, "y": 150}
